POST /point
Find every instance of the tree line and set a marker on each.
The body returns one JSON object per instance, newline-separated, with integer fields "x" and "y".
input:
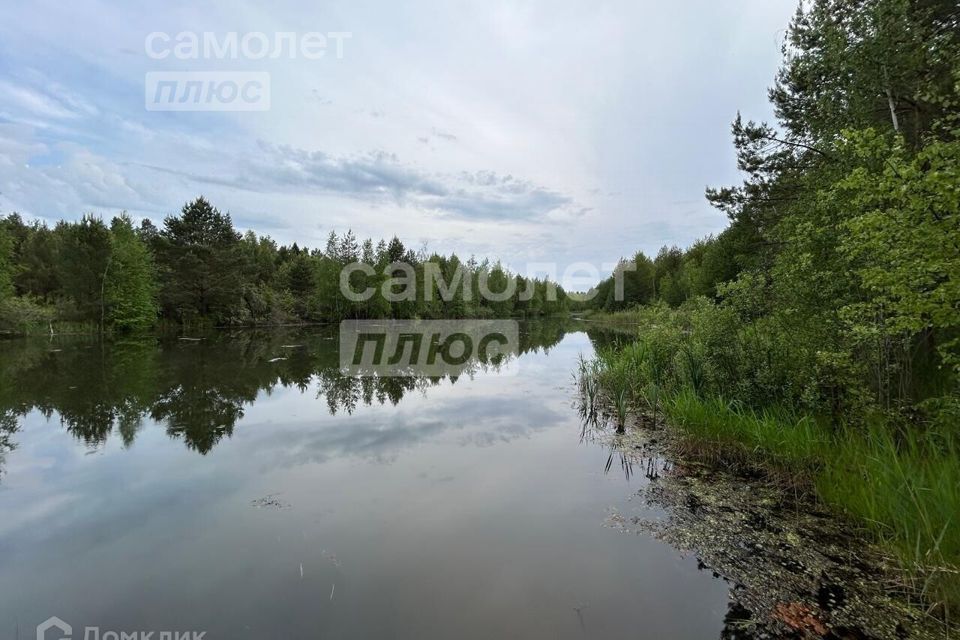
{"x": 842, "y": 257}
{"x": 673, "y": 276}
{"x": 197, "y": 269}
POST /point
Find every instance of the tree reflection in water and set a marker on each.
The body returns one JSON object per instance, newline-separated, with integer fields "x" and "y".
{"x": 197, "y": 389}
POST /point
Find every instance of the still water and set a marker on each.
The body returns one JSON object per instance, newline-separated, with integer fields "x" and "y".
{"x": 240, "y": 486}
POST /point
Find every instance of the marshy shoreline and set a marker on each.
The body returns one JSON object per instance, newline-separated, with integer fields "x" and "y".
{"x": 879, "y": 498}
{"x": 793, "y": 565}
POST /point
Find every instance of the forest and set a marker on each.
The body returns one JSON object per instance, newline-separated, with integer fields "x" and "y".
{"x": 198, "y": 270}
{"x": 820, "y": 332}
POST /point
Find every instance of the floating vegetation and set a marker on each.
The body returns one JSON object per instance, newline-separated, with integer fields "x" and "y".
{"x": 270, "y": 502}
{"x": 795, "y": 570}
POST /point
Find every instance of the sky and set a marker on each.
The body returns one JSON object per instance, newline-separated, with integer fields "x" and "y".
{"x": 537, "y": 132}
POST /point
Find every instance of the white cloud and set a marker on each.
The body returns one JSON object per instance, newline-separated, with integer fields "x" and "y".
{"x": 563, "y": 129}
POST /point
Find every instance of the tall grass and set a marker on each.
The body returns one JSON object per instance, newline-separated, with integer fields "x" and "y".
{"x": 630, "y": 317}
{"x": 903, "y": 487}
{"x": 588, "y": 379}
{"x": 775, "y": 435}
{"x": 900, "y": 486}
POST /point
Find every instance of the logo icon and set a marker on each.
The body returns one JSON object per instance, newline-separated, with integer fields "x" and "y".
{"x": 54, "y": 623}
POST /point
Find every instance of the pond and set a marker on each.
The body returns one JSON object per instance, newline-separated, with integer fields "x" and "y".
{"x": 239, "y": 485}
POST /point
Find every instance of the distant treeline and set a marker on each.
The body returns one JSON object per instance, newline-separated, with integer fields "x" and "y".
{"x": 674, "y": 275}
{"x": 198, "y": 269}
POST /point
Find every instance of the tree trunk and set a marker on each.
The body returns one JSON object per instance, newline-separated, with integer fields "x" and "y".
{"x": 893, "y": 111}
{"x": 103, "y": 302}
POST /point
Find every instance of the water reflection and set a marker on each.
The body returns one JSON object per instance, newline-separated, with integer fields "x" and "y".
{"x": 450, "y": 505}
{"x": 8, "y": 426}
{"x": 197, "y": 389}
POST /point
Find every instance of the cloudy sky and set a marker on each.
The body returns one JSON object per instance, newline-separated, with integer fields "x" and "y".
{"x": 537, "y": 131}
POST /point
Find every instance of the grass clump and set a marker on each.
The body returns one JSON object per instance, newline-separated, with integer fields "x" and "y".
{"x": 903, "y": 486}
{"x": 734, "y": 434}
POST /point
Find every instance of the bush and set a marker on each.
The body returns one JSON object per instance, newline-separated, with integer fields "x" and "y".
{"x": 25, "y": 315}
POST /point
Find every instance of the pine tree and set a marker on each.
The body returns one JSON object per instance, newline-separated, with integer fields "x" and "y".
{"x": 199, "y": 260}
{"x": 333, "y": 247}
{"x": 395, "y": 250}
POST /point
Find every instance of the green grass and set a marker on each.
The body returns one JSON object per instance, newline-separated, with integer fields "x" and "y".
{"x": 776, "y": 436}
{"x": 900, "y": 486}
{"x": 630, "y": 317}
{"x": 904, "y": 488}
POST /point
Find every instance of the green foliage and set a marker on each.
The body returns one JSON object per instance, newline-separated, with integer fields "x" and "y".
{"x": 778, "y": 436}
{"x": 633, "y": 282}
{"x": 842, "y": 261}
{"x": 84, "y": 264}
{"x": 199, "y": 257}
{"x": 856, "y": 64}
{"x": 903, "y": 238}
{"x": 131, "y": 288}
{"x": 199, "y": 271}
{"x": 707, "y": 346}
{"x": 6, "y": 265}
{"x": 34, "y": 255}
{"x": 902, "y": 486}
{"x": 24, "y": 314}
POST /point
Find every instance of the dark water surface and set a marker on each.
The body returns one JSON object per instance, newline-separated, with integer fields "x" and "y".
{"x": 210, "y": 486}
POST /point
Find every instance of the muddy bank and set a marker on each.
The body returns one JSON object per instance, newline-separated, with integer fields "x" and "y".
{"x": 794, "y": 570}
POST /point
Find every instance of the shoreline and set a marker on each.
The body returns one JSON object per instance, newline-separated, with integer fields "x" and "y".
{"x": 793, "y": 565}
